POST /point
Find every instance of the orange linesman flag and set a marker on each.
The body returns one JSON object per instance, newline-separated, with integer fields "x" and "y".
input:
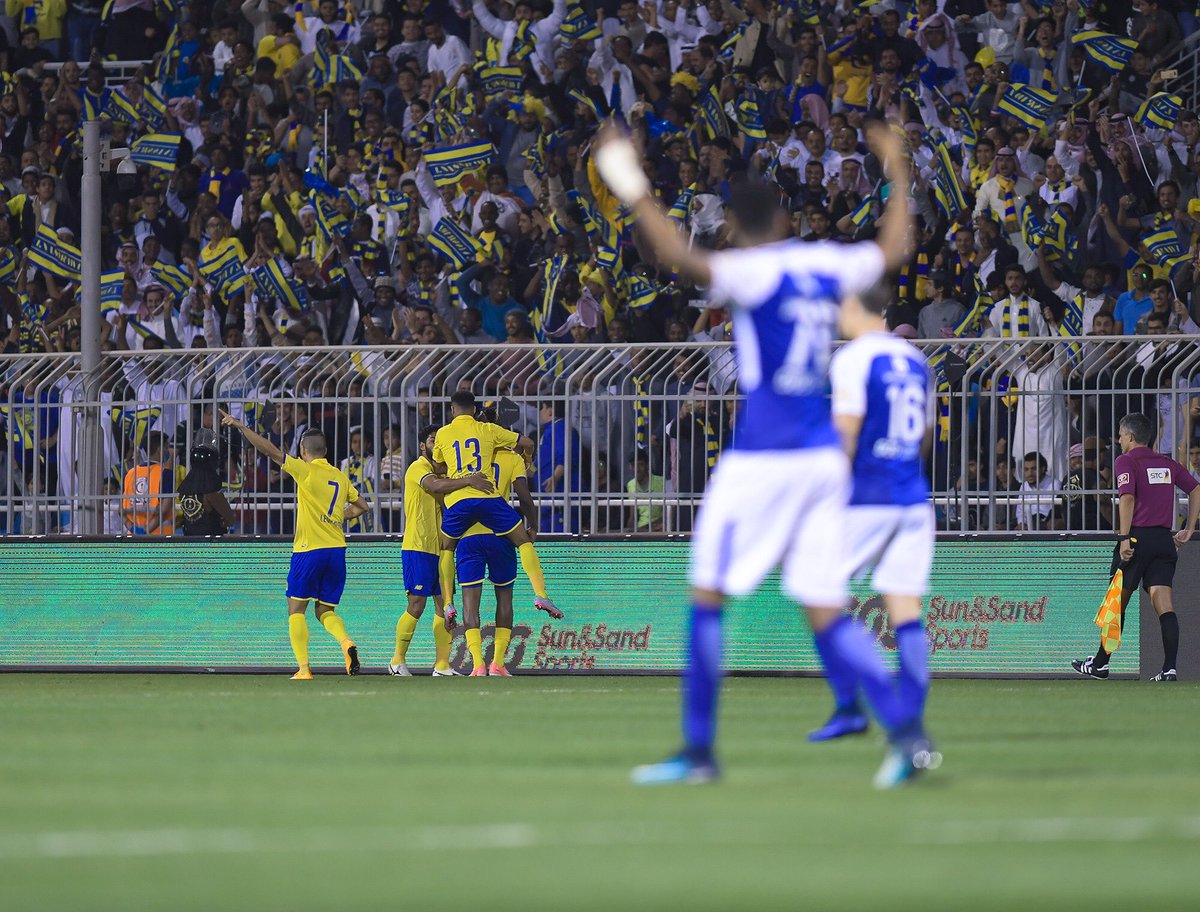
{"x": 1108, "y": 618}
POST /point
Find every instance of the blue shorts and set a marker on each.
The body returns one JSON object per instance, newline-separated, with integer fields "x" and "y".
{"x": 495, "y": 513}
{"x": 477, "y": 554}
{"x": 319, "y": 575}
{"x": 420, "y": 573}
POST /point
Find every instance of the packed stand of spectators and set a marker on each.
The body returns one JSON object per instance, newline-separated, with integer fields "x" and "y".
{"x": 419, "y": 172}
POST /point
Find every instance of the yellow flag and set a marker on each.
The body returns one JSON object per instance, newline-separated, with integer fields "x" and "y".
{"x": 1108, "y": 618}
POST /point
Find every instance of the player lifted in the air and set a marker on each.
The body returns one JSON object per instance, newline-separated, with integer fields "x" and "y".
{"x": 423, "y": 492}
{"x": 481, "y": 553}
{"x": 325, "y": 499}
{"x": 883, "y": 399}
{"x": 779, "y": 495}
{"x": 463, "y": 447}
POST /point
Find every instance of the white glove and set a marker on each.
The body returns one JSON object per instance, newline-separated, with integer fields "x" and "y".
{"x": 619, "y": 166}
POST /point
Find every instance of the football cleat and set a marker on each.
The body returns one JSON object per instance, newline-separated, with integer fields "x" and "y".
{"x": 399, "y": 671}
{"x": 1167, "y": 674}
{"x": 842, "y": 723}
{"x": 905, "y": 762}
{"x": 544, "y": 604}
{"x": 304, "y": 674}
{"x": 446, "y": 673}
{"x": 680, "y": 769}
{"x": 1086, "y": 668}
{"x": 350, "y": 651}
{"x": 480, "y": 672}
{"x": 499, "y": 671}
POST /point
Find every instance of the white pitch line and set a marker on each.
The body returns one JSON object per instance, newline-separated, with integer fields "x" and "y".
{"x": 243, "y": 841}
{"x": 178, "y": 841}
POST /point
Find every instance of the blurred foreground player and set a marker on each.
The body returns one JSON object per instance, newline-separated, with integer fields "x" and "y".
{"x": 325, "y": 499}
{"x": 423, "y": 492}
{"x": 779, "y": 495}
{"x": 1146, "y": 552}
{"x": 481, "y": 553}
{"x": 882, "y": 408}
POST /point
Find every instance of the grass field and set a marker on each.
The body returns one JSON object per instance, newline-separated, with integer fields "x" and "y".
{"x": 227, "y": 793}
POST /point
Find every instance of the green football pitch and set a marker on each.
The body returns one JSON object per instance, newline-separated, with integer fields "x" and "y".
{"x": 223, "y": 793}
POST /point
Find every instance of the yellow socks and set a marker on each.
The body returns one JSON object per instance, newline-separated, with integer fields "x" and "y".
{"x": 441, "y": 644}
{"x": 533, "y": 569}
{"x": 298, "y": 634}
{"x": 334, "y": 625}
{"x": 446, "y": 573}
{"x": 475, "y": 644}
{"x": 503, "y": 635}
{"x": 404, "y": 634}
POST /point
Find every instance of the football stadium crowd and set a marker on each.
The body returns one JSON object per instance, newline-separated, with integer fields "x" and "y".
{"x": 396, "y": 172}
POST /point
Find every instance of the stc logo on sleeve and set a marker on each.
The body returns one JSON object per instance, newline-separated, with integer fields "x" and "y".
{"x": 1158, "y": 476}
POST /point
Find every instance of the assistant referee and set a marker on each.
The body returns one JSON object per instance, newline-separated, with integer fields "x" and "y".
{"x": 1146, "y": 551}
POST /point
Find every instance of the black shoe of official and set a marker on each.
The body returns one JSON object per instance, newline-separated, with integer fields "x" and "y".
{"x": 1167, "y": 674}
{"x": 1086, "y": 668}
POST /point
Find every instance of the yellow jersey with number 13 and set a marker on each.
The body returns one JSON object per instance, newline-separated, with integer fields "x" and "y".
{"x": 466, "y": 446}
{"x": 322, "y": 493}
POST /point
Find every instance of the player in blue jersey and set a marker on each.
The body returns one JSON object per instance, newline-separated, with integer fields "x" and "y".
{"x": 883, "y": 399}
{"x": 779, "y": 495}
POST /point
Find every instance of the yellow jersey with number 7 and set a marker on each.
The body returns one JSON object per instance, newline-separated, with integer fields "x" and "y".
{"x": 466, "y": 446}
{"x": 322, "y": 493}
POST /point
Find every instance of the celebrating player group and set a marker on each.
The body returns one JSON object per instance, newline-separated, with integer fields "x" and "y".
{"x": 471, "y": 466}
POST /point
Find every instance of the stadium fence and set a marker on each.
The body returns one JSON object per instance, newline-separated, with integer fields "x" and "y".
{"x": 997, "y": 399}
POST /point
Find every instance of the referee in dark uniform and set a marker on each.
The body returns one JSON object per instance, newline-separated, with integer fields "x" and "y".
{"x": 1146, "y": 550}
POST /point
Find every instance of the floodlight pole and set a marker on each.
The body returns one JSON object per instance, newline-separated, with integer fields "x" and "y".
{"x": 89, "y": 452}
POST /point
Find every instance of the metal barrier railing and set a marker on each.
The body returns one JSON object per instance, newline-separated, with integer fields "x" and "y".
{"x": 639, "y": 433}
{"x": 1186, "y": 61}
{"x": 116, "y": 72}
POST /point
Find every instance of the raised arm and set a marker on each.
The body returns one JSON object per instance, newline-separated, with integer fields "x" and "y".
{"x": 256, "y": 440}
{"x": 490, "y": 23}
{"x": 548, "y": 27}
{"x": 620, "y": 166}
{"x": 898, "y": 224}
{"x": 1046, "y": 270}
{"x": 1114, "y": 232}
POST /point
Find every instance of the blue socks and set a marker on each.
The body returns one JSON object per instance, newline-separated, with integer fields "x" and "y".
{"x": 839, "y": 675}
{"x": 702, "y": 681}
{"x": 851, "y": 660}
{"x": 853, "y": 646}
{"x": 912, "y": 678}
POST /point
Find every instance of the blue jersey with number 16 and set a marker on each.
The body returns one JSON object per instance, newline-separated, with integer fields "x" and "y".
{"x": 785, "y": 298}
{"x": 886, "y": 382}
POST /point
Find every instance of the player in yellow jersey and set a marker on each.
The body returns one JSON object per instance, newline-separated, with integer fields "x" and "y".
{"x": 325, "y": 499}
{"x": 464, "y": 447}
{"x": 482, "y": 552}
{"x": 423, "y": 492}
